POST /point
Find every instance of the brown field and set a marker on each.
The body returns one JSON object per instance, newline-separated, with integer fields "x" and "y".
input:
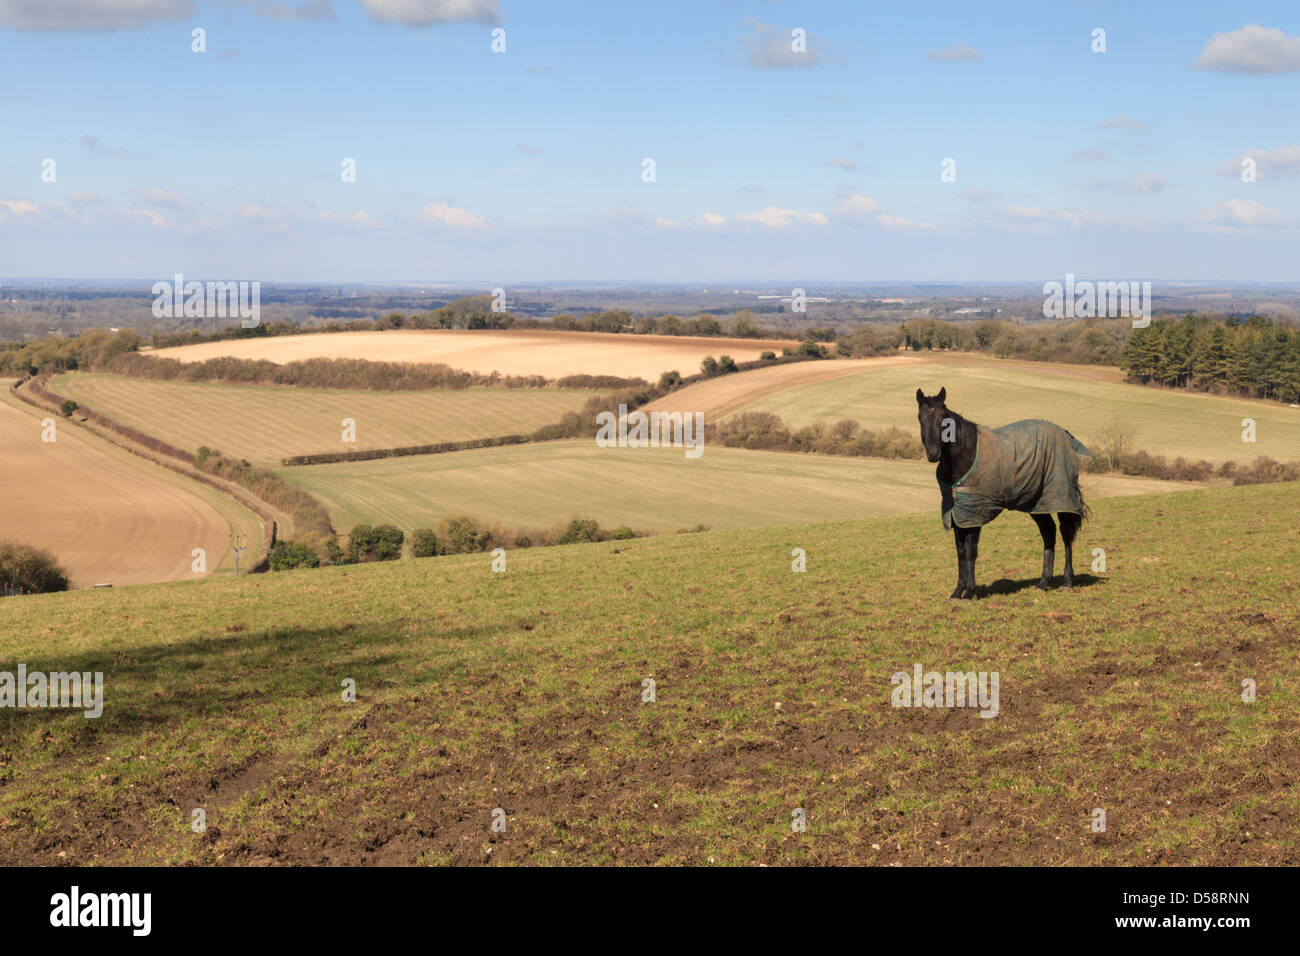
{"x": 107, "y": 515}
{"x": 523, "y": 352}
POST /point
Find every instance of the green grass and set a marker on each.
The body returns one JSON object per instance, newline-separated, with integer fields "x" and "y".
{"x": 522, "y": 691}
{"x": 268, "y": 424}
{"x": 1163, "y": 421}
{"x": 540, "y": 485}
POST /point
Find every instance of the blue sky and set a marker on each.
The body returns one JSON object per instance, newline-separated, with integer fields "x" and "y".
{"x": 527, "y": 165}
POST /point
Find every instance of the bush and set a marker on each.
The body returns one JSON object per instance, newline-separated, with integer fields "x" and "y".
{"x": 381, "y": 543}
{"x": 768, "y": 356}
{"x": 581, "y": 529}
{"x": 812, "y": 349}
{"x": 726, "y": 364}
{"x": 622, "y": 533}
{"x": 424, "y": 543}
{"x": 462, "y": 535}
{"x": 287, "y": 555}
{"x": 68, "y": 407}
{"x": 29, "y": 569}
{"x": 670, "y": 380}
{"x": 709, "y": 366}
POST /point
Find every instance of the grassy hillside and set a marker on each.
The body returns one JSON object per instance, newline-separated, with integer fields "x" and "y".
{"x": 266, "y": 424}
{"x": 106, "y": 514}
{"x": 523, "y": 691}
{"x": 540, "y": 485}
{"x": 991, "y": 392}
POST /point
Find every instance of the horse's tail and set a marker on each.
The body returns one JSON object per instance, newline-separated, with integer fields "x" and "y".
{"x": 1082, "y": 451}
{"x": 1080, "y": 448}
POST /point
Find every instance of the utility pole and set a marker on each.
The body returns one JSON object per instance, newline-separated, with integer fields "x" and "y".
{"x": 238, "y": 546}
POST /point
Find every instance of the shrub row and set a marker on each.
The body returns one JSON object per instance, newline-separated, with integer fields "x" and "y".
{"x": 318, "y": 373}
{"x": 310, "y": 518}
{"x": 1264, "y": 470}
{"x": 765, "y": 431}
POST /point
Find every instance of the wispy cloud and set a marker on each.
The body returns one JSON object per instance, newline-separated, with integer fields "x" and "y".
{"x": 768, "y": 48}
{"x": 773, "y": 217}
{"x": 1239, "y": 214}
{"x": 955, "y": 53}
{"x": 461, "y": 220}
{"x": 1277, "y": 163}
{"x": 97, "y": 149}
{"x": 1125, "y": 123}
{"x": 427, "y": 13}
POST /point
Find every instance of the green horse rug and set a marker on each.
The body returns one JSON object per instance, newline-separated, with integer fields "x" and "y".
{"x": 1025, "y": 466}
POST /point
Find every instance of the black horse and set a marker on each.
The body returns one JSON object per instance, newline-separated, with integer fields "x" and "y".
{"x": 1025, "y": 466}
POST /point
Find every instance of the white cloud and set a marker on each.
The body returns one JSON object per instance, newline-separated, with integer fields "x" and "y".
{"x": 1239, "y": 214}
{"x": 771, "y": 217}
{"x": 665, "y": 223}
{"x": 856, "y": 206}
{"x": 955, "y": 53}
{"x": 711, "y": 220}
{"x": 425, "y": 13}
{"x": 1272, "y": 163}
{"x": 848, "y": 165}
{"x": 10, "y": 208}
{"x": 441, "y": 214}
{"x": 1252, "y": 49}
{"x": 155, "y": 220}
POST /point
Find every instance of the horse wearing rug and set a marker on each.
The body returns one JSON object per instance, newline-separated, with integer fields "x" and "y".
{"x": 1025, "y": 466}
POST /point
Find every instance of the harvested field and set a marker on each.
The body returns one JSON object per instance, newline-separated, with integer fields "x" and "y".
{"x": 994, "y": 392}
{"x": 524, "y": 352}
{"x": 107, "y": 515}
{"x": 540, "y": 485}
{"x": 267, "y": 424}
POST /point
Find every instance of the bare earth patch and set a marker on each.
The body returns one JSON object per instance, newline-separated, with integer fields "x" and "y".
{"x": 107, "y": 515}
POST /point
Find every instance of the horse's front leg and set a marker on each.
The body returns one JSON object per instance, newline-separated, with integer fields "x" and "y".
{"x": 959, "y": 537}
{"x": 967, "y": 549}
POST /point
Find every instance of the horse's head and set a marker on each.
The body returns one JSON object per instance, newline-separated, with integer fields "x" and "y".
{"x": 931, "y": 411}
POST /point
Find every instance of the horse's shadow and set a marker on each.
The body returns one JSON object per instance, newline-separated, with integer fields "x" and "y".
{"x": 1008, "y": 586}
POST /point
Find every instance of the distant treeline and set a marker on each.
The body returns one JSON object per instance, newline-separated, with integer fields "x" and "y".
{"x": 475, "y": 312}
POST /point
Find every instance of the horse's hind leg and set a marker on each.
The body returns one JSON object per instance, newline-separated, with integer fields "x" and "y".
{"x": 1047, "y": 528}
{"x": 1069, "y": 528}
{"x": 959, "y": 535}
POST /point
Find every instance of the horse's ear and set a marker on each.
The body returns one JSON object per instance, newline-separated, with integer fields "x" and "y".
{"x": 920, "y": 396}
{"x": 943, "y": 393}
